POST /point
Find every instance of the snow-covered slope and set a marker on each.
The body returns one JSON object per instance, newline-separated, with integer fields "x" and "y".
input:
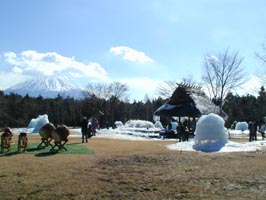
{"x": 47, "y": 87}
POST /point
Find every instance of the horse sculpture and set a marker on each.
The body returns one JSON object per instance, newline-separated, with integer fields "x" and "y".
{"x": 6, "y": 139}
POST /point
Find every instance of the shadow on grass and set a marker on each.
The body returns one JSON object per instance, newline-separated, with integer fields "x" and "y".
{"x": 39, "y": 152}
{"x": 72, "y": 148}
{"x": 44, "y": 154}
{"x": 10, "y": 153}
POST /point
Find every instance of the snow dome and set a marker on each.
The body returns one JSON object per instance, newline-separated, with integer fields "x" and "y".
{"x": 241, "y": 126}
{"x": 118, "y": 124}
{"x": 38, "y": 122}
{"x": 210, "y": 134}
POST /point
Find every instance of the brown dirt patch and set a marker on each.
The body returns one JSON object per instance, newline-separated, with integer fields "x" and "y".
{"x": 122, "y": 169}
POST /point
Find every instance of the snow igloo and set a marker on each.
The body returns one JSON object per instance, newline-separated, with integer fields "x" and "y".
{"x": 241, "y": 126}
{"x": 210, "y": 134}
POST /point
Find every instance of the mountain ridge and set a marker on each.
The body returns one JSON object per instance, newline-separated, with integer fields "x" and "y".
{"x": 47, "y": 87}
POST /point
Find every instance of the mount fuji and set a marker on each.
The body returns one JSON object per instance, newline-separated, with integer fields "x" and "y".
{"x": 47, "y": 87}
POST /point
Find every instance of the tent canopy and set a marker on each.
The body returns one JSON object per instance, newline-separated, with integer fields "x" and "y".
{"x": 189, "y": 101}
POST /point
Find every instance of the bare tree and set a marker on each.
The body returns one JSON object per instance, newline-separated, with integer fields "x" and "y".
{"x": 189, "y": 79}
{"x": 166, "y": 89}
{"x": 262, "y": 56}
{"x": 221, "y": 74}
{"x": 106, "y": 91}
{"x": 261, "y": 74}
{"x": 119, "y": 90}
{"x": 100, "y": 90}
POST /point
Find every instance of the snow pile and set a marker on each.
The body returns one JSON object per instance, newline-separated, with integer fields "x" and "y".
{"x": 238, "y": 133}
{"x": 118, "y": 124}
{"x": 229, "y": 147}
{"x": 210, "y": 134}
{"x": 38, "y": 123}
{"x": 241, "y": 126}
{"x": 137, "y": 128}
{"x": 158, "y": 124}
{"x": 139, "y": 124}
{"x": 262, "y": 128}
{"x": 173, "y": 126}
{"x": 32, "y": 123}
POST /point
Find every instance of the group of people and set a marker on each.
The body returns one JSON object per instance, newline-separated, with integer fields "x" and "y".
{"x": 254, "y": 128}
{"x": 88, "y": 128}
{"x": 181, "y": 130}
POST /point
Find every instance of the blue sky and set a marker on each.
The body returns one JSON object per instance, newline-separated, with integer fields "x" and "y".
{"x": 138, "y": 42}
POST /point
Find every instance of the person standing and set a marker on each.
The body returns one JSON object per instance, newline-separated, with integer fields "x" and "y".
{"x": 94, "y": 126}
{"x": 84, "y": 129}
{"x": 252, "y": 131}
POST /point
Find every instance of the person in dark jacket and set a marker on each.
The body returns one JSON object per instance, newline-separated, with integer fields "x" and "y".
{"x": 84, "y": 129}
{"x": 252, "y": 131}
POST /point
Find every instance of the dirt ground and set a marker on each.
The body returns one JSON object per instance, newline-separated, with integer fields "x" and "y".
{"x": 122, "y": 169}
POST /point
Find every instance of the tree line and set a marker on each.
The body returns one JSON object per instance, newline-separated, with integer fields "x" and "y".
{"x": 245, "y": 108}
{"x": 17, "y": 111}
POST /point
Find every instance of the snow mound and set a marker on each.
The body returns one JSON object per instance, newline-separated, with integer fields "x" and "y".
{"x": 241, "y": 126}
{"x": 158, "y": 124}
{"x": 139, "y": 124}
{"x": 118, "y": 124}
{"x": 136, "y": 128}
{"x": 38, "y": 123}
{"x": 210, "y": 134}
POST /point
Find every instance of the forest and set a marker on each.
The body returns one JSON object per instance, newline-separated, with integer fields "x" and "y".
{"x": 17, "y": 111}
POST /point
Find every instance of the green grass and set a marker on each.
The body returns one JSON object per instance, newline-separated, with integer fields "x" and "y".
{"x": 32, "y": 149}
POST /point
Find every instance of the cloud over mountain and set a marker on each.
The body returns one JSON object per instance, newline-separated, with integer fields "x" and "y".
{"x": 130, "y": 54}
{"x": 51, "y": 63}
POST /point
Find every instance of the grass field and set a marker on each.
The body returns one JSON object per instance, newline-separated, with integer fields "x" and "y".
{"x": 121, "y": 169}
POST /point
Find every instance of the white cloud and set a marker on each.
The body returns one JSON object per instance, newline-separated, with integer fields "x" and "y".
{"x": 140, "y": 86}
{"x": 213, "y": 58}
{"x": 10, "y": 79}
{"x": 50, "y": 63}
{"x": 17, "y": 70}
{"x": 252, "y": 86}
{"x": 130, "y": 54}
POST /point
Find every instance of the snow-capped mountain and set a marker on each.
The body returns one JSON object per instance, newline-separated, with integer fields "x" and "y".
{"x": 47, "y": 87}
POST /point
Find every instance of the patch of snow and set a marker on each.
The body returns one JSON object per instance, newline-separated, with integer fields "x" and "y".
{"x": 118, "y": 124}
{"x": 228, "y": 147}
